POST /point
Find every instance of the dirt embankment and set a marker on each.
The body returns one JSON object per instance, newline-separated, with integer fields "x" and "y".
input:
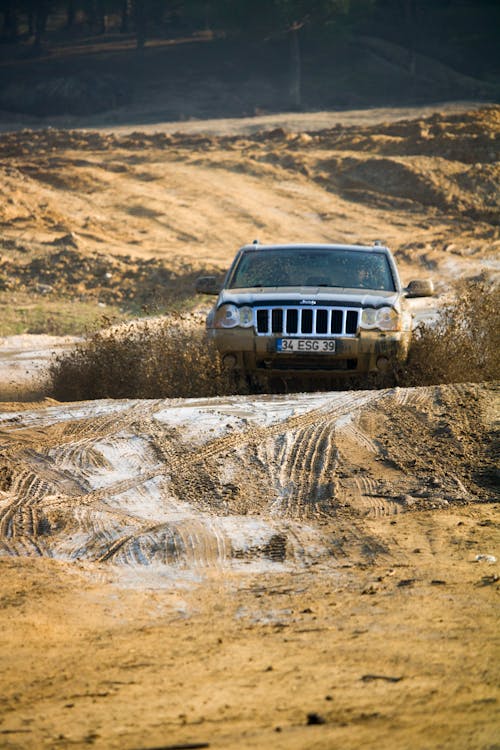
{"x": 130, "y": 219}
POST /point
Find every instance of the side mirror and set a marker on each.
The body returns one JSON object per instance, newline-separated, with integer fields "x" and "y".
{"x": 420, "y": 288}
{"x": 207, "y": 285}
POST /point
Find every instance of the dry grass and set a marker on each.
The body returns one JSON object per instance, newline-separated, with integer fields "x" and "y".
{"x": 171, "y": 358}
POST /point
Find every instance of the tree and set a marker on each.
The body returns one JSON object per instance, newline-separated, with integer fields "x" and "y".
{"x": 94, "y": 11}
{"x": 70, "y": 13}
{"x": 10, "y": 18}
{"x": 139, "y": 15}
{"x": 41, "y": 15}
{"x": 125, "y": 11}
{"x": 283, "y": 18}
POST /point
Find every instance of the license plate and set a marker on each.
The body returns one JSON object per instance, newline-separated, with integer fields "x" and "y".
{"x": 313, "y": 346}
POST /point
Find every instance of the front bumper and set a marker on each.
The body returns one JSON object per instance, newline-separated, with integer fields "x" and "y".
{"x": 368, "y": 351}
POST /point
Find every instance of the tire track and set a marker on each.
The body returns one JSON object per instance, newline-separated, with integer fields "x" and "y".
{"x": 190, "y": 464}
{"x": 307, "y": 472}
{"x": 73, "y": 431}
{"x": 298, "y": 483}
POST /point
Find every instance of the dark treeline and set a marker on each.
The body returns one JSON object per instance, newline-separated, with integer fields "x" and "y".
{"x": 312, "y": 52}
{"x": 464, "y": 33}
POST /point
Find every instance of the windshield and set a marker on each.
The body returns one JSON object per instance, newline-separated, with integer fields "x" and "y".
{"x": 354, "y": 269}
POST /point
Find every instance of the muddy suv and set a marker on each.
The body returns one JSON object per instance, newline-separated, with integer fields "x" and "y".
{"x": 311, "y": 310}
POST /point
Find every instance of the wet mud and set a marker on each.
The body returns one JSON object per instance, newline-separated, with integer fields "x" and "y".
{"x": 236, "y": 481}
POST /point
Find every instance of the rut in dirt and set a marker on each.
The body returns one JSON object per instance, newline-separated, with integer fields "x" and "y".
{"x": 235, "y": 482}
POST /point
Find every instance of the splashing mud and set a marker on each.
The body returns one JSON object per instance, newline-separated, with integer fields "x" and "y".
{"x": 171, "y": 357}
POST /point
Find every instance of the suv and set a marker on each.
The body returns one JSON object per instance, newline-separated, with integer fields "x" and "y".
{"x": 311, "y": 310}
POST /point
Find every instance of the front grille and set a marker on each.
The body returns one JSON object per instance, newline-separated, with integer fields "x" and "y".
{"x": 306, "y": 321}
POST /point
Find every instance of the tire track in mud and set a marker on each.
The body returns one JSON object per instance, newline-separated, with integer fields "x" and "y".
{"x": 29, "y": 488}
{"x": 306, "y": 475}
{"x": 46, "y": 472}
{"x": 35, "y": 433}
{"x": 185, "y": 462}
{"x": 195, "y": 480}
{"x": 308, "y": 457}
{"x": 190, "y": 543}
{"x": 126, "y": 488}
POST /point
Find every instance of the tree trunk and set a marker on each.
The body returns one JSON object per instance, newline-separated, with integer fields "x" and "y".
{"x": 11, "y": 20}
{"x": 40, "y": 25}
{"x": 90, "y": 12}
{"x": 295, "y": 67}
{"x": 125, "y": 15}
{"x": 100, "y": 17}
{"x": 140, "y": 24}
{"x": 70, "y": 14}
{"x": 411, "y": 37}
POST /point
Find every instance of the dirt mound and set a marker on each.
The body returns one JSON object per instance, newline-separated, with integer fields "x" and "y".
{"x": 444, "y": 162}
{"x": 213, "y": 482}
{"x": 405, "y": 182}
{"x": 192, "y": 196}
{"x": 420, "y": 161}
{"x": 452, "y": 141}
{"x": 69, "y": 273}
{"x": 466, "y": 136}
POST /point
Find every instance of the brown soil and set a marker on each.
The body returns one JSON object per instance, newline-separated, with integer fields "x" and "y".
{"x": 131, "y": 219}
{"x": 256, "y": 572}
{"x": 299, "y": 571}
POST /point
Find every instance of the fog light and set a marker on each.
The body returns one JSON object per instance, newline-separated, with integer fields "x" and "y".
{"x": 229, "y": 361}
{"x": 383, "y": 364}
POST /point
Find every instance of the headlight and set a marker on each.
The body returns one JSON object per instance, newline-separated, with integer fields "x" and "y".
{"x": 230, "y": 316}
{"x": 368, "y": 317}
{"x": 388, "y": 319}
{"x": 384, "y": 318}
{"x": 246, "y": 317}
{"x": 227, "y": 316}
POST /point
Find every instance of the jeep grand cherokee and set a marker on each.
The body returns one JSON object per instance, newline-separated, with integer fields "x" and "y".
{"x": 311, "y": 310}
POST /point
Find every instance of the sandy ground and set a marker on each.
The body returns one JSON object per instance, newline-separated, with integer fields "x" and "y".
{"x": 307, "y": 571}
{"x": 154, "y": 120}
{"x": 400, "y": 652}
{"x": 426, "y": 187}
{"x": 286, "y": 572}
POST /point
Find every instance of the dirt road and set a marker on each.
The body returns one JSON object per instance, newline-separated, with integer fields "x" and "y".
{"x": 313, "y": 571}
{"x": 285, "y": 572}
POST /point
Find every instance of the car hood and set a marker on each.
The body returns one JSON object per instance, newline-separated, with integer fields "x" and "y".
{"x": 338, "y": 296}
